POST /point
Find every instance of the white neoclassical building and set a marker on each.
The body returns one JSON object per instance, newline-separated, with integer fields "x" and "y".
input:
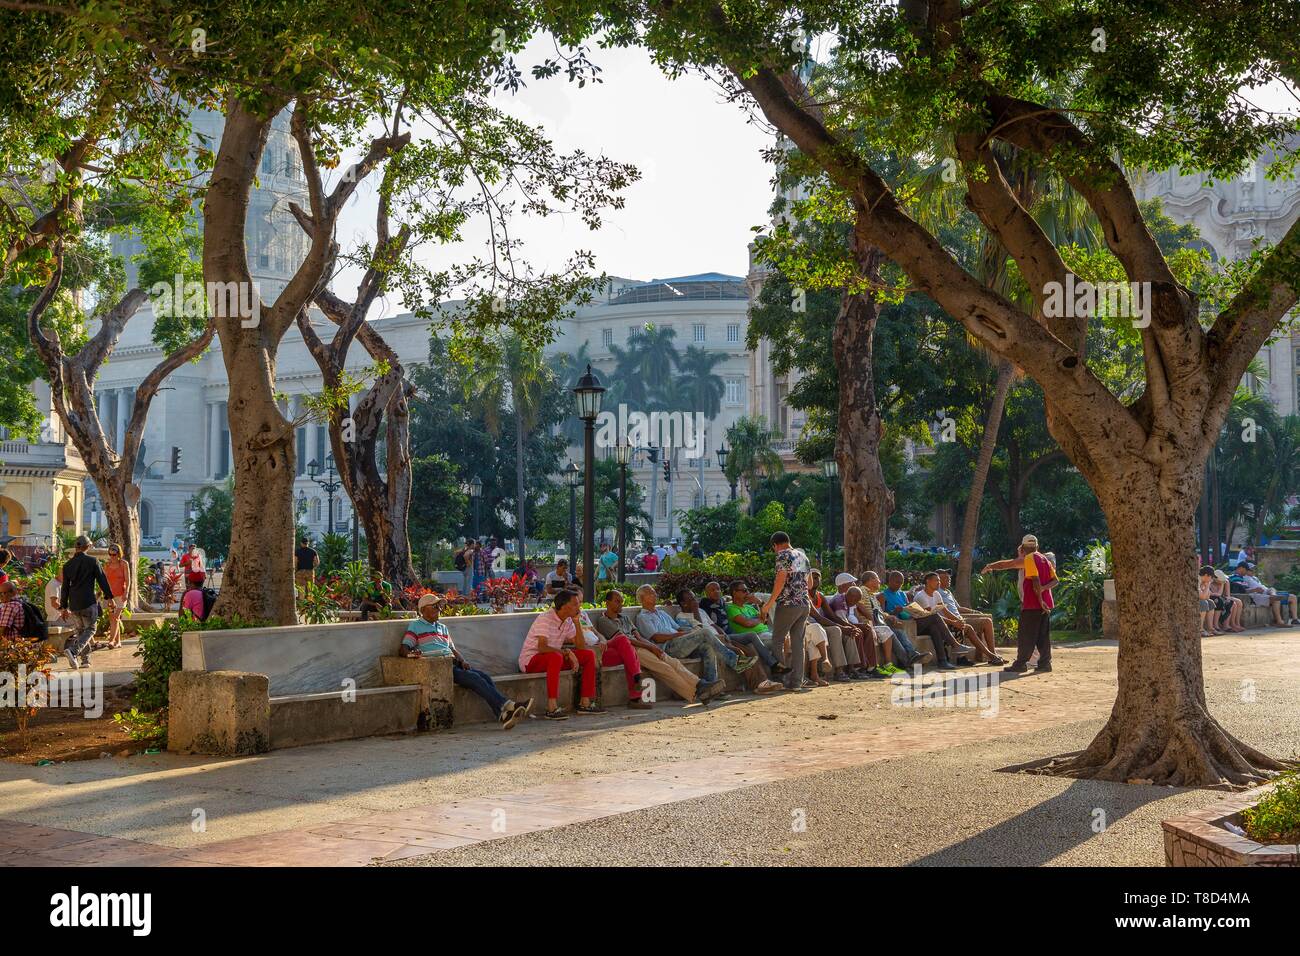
{"x": 1233, "y": 217}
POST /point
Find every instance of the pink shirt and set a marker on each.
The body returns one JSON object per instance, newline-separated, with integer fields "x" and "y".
{"x": 550, "y": 628}
{"x": 193, "y": 602}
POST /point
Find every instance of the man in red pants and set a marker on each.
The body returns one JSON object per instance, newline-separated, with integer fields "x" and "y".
{"x": 544, "y": 653}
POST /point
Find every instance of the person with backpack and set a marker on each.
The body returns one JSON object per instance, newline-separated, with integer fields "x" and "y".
{"x": 12, "y": 616}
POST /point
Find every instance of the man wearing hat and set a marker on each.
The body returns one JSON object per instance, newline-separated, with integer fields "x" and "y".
{"x": 77, "y": 596}
{"x": 1038, "y": 577}
{"x": 428, "y": 637}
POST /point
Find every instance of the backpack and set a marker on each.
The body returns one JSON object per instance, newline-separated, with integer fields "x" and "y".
{"x": 34, "y": 626}
{"x": 209, "y": 599}
{"x": 460, "y": 560}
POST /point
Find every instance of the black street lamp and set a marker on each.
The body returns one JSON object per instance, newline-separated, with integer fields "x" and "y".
{"x": 329, "y": 483}
{"x": 475, "y": 495}
{"x": 831, "y": 469}
{"x": 587, "y": 393}
{"x": 573, "y": 477}
{"x": 624, "y": 456}
{"x": 723, "y": 452}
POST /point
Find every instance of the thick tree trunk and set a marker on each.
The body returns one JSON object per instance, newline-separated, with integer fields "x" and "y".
{"x": 121, "y": 500}
{"x": 988, "y": 444}
{"x": 868, "y": 502}
{"x": 257, "y": 581}
{"x": 1160, "y": 730}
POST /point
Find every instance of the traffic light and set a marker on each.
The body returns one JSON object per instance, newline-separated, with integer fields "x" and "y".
{"x": 176, "y": 459}
{"x": 652, "y": 454}
{"x": 668, "y": 470}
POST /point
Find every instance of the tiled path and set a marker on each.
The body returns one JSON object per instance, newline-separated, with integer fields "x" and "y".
{"x": 419, "y": 830}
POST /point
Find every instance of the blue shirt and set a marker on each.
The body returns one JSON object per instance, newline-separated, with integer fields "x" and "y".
{"x": 431, "y": 639}
{"x": 895, "y": 600}
{"x": 658, "y": 621}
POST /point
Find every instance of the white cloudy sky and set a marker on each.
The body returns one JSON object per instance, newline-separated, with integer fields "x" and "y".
{"x": 703, "y": 184}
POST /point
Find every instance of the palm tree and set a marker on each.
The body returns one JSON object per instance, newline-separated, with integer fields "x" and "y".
{"x": 515, "y": 371}
{"x": 568, "y": 366}
{"x": 626, "y": 383}
{"x": 658, "y": 355}
{"x": 698, "y": 383}
{"x": 1064, "y": 216}
{"x": 752, "y": 454}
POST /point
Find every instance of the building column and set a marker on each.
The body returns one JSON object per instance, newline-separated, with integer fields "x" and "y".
{"x": 121, "y": 418}
{"x": 214, "y": 439}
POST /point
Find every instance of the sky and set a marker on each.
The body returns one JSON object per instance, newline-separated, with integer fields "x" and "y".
{"x": 704, "y": 183}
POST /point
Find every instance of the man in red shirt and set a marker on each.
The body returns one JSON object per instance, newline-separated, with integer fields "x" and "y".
{"x": 1038, "y": 577}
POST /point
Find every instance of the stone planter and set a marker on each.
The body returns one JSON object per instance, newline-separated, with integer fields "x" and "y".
{"x": 1200, "y": 839}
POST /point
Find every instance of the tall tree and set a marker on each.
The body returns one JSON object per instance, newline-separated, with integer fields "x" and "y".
{"x": 752, "y": 455}
{"x": 996, "y": 72}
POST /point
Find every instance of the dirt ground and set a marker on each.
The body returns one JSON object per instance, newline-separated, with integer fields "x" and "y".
{"x": 61, "y": 734}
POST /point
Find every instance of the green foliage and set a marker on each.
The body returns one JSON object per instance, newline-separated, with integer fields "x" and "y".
{"x": 316, "y": 605}
{"x": 159, "y": 651}
{"x": 714, "y": 527}
{"x": 147, "y": 728}
{"x": 757, "y": 570}
{"x": 1276, "y": 818}
{"x": 333, "y": 550}
{"x": 210, "y": 520}
{"x": 438, "y": 505}
{"x": 1079, "y": 595}
{"x": 752, "y": 455}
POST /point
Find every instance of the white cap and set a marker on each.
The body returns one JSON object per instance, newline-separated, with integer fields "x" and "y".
{"x": 845, "y": 578}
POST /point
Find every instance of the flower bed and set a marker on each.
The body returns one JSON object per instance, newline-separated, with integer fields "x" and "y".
{"x": 1202, "y": 838}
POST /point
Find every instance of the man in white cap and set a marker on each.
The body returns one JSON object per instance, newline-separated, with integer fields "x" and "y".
{"x": 428, "y": 637}
{"x": 1038, "y": 577}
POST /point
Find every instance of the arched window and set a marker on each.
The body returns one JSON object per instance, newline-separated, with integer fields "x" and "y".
{"x": 146, "y": 517}
{"x": 314, "y": 510}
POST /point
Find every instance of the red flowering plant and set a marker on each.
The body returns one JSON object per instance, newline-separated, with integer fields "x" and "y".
{"x": 503, "y": 591}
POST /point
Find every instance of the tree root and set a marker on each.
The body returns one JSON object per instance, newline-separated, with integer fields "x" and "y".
{"x": 1196, "y": 752}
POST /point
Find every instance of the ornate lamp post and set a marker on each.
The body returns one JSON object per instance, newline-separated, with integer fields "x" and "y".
{"x": 475, "y": 494}
{"x": 624, "y": 456}
{"x": 723, "y": 452}
{"x": 573, "y": 477}
{"x": 831, "y": 469}
{"x": 587, "y": 393}
{"x": 329, "y": 483}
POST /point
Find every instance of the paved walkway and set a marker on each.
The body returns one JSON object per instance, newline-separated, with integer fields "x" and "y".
{"x": 397, "y": 799}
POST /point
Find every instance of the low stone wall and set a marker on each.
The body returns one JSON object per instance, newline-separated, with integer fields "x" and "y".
{"x": 1200, "y": 839}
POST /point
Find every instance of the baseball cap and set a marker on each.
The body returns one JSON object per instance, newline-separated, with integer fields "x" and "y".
{"x": 1029, "y": 541}
{"x": 845, "y": 578}
{"x": 427, "y": 599}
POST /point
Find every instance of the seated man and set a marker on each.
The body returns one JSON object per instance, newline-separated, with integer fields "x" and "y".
{"x": 691, "y": 615}
{"x": 557, "y": 580}
{"x": 842, "y": 642}
{"x": 714, "y": 608}
{"x": 611, "y": 624}
{"x": 1282, "y": 604}
{"x": 615, "y": 648}
{"x": 658, "y": 627}
{"x": 544, "y": 651}
{"x": 426, "y": 636}
{"x": 893, "y": 601}
{"x": 929, "y": 596}
{"x": 895, "y": 644}
{"x": 980, "y": 621}
{"x": 853, "y": 610}
{"x": 12, "y": 616}
{"x": 380, "y": 595}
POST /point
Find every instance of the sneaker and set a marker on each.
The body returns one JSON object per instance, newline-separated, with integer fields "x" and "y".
{"x": 880, "y": 673}
{"x": 556, "y": 714}
{"x": 842, "y": 678}
{"x": 72, "y": 660}
{"x": 525, "y": 708}
{"x": 511, "y": 716}
{"x": 744, "y": 663}
{"x": 891, "y": 669}
{"x": 709, "y": 691}
{"x": 925, "y": 657}
{"x": 964, "y": 649}
{"x": 590, "y": 709}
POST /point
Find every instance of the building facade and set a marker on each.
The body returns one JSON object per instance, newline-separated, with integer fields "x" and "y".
{"x": 41, "y": 482}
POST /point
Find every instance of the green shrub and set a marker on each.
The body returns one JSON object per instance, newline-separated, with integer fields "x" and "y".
{"x": 160, "y": 653}
{"x": 316, "y": 605}
{"x": 1276, "y": 818}
{"x": 143, "y": 727}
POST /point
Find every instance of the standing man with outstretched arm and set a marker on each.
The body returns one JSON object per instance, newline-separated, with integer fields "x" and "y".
{"x": 77, "y": 597}
{"x": 1035, "y": 630}
{"x": 788, "y": 606}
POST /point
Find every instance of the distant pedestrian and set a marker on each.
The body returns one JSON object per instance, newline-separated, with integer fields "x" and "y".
{"x": 1038, "y": 577}
{"x": 306, "y": 559}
